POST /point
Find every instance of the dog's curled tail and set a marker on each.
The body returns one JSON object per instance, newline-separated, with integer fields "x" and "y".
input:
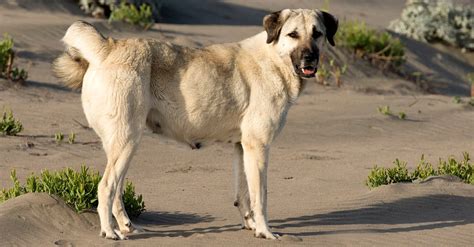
{"x": 84, "y": 46}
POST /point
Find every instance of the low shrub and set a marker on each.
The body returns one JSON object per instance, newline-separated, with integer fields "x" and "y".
{"x": 77, "y": 188}
{"x": 9, "y": 125}
{"x": 103, "y": 8}
{"x": 6, "y": 53}
{"x": 437, "y": 20}
{"x": 382, "y": 176}
{"x": 330, "y": 70}
{"x": 379, "y": 175}
{"x": 130, "y": 14}
{"x": 58, "y": 137}
{"x": 377, "y": 47}
{"x": 7, "y": 56}
{"x": 71, "y": 138}
{"x": 385, "y": 110}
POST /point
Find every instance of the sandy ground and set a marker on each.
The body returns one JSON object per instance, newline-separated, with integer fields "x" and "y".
{"x": 317, "y": 167}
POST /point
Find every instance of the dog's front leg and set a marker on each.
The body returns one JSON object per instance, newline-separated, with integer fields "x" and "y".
{"x": 255, "y": 166}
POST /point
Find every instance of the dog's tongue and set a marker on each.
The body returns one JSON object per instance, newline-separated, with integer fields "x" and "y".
{"x": 308, "y": 71}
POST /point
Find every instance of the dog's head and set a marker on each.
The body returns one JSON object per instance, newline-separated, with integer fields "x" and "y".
{"x": 299, "y": 34}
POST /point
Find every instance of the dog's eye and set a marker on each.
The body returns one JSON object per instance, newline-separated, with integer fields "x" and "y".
{"x": 293, "y": 35}
{"x": 316, "y": 34}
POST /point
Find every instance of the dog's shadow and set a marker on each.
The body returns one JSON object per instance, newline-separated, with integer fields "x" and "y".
{"x": 404, "y": 215}
{"x": 159, "y": 224}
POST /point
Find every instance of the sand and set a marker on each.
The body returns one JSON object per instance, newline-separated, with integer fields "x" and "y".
{"x": 317, "y": 167}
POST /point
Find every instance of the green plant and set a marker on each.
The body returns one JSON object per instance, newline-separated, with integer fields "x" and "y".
{"x": 134, "y": 205}
{"x": 76, "y": 188}
{"x": 18, "y": 75}
{"x": 15, "y": 191}
{"x": 7, "y": 56}
{"x": 402, "y": 115}
{"x": 337, "y": 71}
{"x": 379, "y": 176}
{"x": 9, "y": 125}
{"x": 378, "y": 47}
{"x": 382, "y": 176}
{"x": 385, "y": 110}
{"x": 58, "y": 137}
{"x": 6, "y": 53}
{"x": 463, "y": 169}
{"x": 323, "y": 74}
{"x": 72, "y": 138}
{"x": 457, "y": 100}
{"x": 328, "y": 70}
{"x": 102, "y": 8}
{"x": 423, "y": 170}
{"x": 470, "y": 78}
{"x": 130, "y": 14}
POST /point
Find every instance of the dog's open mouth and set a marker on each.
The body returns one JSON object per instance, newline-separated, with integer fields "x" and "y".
{"x": 309, "y": 71}
{"x": 306, "y": 71}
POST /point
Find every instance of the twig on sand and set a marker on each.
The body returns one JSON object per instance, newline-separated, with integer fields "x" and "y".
{"x": 414, "y": 102}
{"x": 88, "y": 143}
{"x": 34, "y": 136}
{"x": 81, "y": 124}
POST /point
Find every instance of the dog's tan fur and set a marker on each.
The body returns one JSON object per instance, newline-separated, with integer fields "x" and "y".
{"x": 236, "y": 92}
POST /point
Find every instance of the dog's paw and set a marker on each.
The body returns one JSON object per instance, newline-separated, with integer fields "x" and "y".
{"x": 120, "y": 235}
{"x": 266, "y": 234}
{"x": 248, "y": 224}
{"x": 112, "y": 234}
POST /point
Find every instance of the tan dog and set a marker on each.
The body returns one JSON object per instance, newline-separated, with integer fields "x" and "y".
{"x": 237, "y": 92}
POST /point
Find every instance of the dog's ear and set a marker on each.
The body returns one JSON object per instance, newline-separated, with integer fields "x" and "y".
{"x": 272, "y": 24}
{"x": 331, "y": 23}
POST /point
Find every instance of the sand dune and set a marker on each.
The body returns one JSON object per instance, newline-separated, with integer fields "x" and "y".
{"x": 317, "y": 167}
{"x": 40, "y": 218}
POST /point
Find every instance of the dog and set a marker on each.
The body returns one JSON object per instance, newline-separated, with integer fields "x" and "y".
{"x": 236, "y": 92}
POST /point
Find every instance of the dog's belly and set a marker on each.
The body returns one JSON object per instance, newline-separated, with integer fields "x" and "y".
{"x": 195, "y": 132}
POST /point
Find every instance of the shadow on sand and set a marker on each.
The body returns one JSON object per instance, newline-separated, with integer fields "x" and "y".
{"x": 162, "y": 220}
{"x": 421, "y": 213}
{"x": 444, "y": 73}
{"x": 68, "y": 6}
{"x": 209, "y": 12}
{"x": 404, "y": 215}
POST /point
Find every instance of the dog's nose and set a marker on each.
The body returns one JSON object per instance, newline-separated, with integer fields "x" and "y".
{"x": 309, "y": 56}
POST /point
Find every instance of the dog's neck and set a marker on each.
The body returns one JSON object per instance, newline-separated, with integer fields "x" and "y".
{"x": 292, "y": 82}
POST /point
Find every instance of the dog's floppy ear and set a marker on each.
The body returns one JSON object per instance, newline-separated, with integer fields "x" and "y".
{"x": 272, "y": 24}
{"x": 331, "y": 23}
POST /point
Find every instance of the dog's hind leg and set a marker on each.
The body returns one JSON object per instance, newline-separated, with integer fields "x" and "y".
{"x": 117, "y": 112}
{"x": 119, "y": 148}
{"x": 118, "y": 210}
{"x": 242, "y": 200}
